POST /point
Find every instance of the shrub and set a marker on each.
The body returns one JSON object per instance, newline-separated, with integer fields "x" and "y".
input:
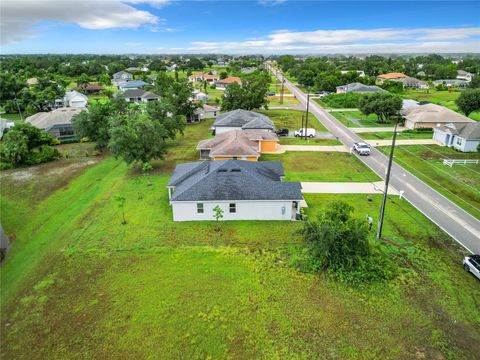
{"x": 84, "y": 139}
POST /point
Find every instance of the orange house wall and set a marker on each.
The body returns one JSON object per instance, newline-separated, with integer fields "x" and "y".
{"x": 268, "y": 145}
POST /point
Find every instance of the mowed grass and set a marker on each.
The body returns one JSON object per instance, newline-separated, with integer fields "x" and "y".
{"x": 287, "y": 101}
{"x": 308, "y": 141}
{"x": 357, "y": 119}
{"x": 402, "y": 135}
{"x": 460, "y": 183}
{"x": 292, "y": 119}
{"x": 322, "y": 166}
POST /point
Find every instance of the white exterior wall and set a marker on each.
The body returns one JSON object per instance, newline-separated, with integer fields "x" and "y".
{"x": 465, "y": 145}
{"x": 246, "y": 210}
{"x": 439, "y": 136}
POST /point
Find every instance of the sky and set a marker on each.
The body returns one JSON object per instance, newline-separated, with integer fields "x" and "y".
{"x": 238, "y": 27}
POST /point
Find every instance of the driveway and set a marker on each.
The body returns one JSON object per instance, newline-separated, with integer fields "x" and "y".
{"x": 346, "y": 188}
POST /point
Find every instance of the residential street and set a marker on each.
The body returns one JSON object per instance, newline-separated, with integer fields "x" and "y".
{"x": 459, "y": 224}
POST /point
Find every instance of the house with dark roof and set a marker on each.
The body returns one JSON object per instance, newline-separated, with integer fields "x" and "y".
{"x": 238, "y": 145}
{"x": 242, "y": 120}
{"x": 138, "y": 96}
{"x": 57, "y": 123}
{"x": 358, "y": 88}
{"x": 461, "y": 136}
{"x": 244, "y": 190}
{"x": 134, "y": 84}
{"x": 204, "y": 112}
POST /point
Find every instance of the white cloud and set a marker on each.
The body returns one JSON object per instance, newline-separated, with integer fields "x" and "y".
{"x": 349, "y": 41}
{"x": 18, "y": 16}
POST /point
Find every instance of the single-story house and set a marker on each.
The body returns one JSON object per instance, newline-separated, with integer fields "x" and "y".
{"x": 421, "y": 74}
{"x": 200, "y": 96}
{"x": 171, "y": 68}
{"x": 89, "y": 88}
{"x": 360, "y": 73}
{"x": 244, "y": 190}
{"x": 238, "y": 145}
{"x": 57, "y": 123}
{"x": 210, "y": 78}
{"x": 391, "y": 76}
{"x": 432, "y": 116}
{"x": 75, "y": 99}
{"x": 138, "y": 96}
{"x": 204, "y": 112}
{"x": 358, "y": 88}
{"x": 32, "y": 81}
{"x": 464, "y": 75}
{"x": 133, "y": 69}
{"x": 461, "y": 136}
{"x": 450, "y": 83}
{"x": 408, "y": 104}
{"x": 248, "y": 70}
{"x": 242, "y": 120}
{"x": 121, "y": 76}
{"x": 134, "y": 84}
{"x": 413, "y": 83}
{"x": 222, "y": 84}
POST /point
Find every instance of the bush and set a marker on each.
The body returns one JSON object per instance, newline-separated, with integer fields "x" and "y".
{"x": 342, "y": 101}
{"x": 84, "y": 139}
{"x": 44, "y": 154}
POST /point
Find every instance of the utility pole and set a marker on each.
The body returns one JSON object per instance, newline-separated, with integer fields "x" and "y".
{"x": 306, "y": 115}
{"x": 303, "y": 117}
{"x": 281, "y": 92}
{"x": 387, "y": 180}
{"x": 18, "y": 107}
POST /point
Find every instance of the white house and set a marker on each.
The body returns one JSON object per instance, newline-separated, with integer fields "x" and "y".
{"x": 138, "y": 96}
{"x": 242, "y": 120}
{"x": 75, "y": 99}
{"x": 205, "y": 112}
{"x": 461, "y": 136}
{"x": 360, "y": 73}
{"x": 121, "y": 76}
{"x": 464, "y": 75}
{"x": 431, "y": 116}
{"x": 244, "y": 190}
{"x": 200, "y": 96}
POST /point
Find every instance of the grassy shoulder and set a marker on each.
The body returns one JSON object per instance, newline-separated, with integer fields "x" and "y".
{"x": 308, "y": 141}
{"x": 322, "y": 166}
{"x": 292, "y": 119}
{"x": 460, "y": 183}
{"x": 357, "y": 119}
{"x": 403, "y": 135}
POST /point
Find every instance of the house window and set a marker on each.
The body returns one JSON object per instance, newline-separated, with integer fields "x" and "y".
{"x": 233, "y": 208}
{"x": 459, "y": 141}
{"x": 199, "y": 208}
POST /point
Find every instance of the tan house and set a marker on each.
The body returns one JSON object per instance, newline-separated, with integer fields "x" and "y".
{"x": 391, "y": 76}
{"x": 432, "y": 116}
{"x": 238, "y": 145}
{"x": 203, "y": 77}
{"x": 57, "y": 123}
{"x": 222, "y": 84}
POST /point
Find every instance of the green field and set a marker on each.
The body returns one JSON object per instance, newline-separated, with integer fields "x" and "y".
{"x": 287, "y": 101}
{"x": 322, "y": 166}
{"x": 308, "y": 141}
{"x": 357, "y": 119}
{"x": 402, "y": 135}
{"x": 460, "y": 183}
{"x": 292, "y": 119}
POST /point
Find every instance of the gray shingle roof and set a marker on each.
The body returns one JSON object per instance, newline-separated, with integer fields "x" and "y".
{"x": 47, "y": 120}
{"x": 359, "y": 87}
{"x": 467, "y": 131}
{"x": 244, "y": 119}
{"x": 232, "y": 180}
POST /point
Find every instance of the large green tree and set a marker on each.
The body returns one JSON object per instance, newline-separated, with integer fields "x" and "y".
{"x": 385, "y": 105}
{"x": 469, "y": 101}
{"x": 252, "y": 94}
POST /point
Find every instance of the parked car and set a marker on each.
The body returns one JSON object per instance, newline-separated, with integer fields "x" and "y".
{"x": 311, "y": 133}
{"x": 282, "y": 132}
{"x": 471, "y": 264}
{"x": 271, "y": 93}
{"x": 362, "y": 148}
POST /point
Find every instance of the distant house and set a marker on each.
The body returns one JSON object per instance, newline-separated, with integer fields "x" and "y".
{"x": 248, "y": 70}
{"x": 360, "y": 73}
{"x": 171, "y": 68}
{"x": 32, "y": 81}
{"x": 133, "y": 69}
{"x": 358, "y": 88}
{"x": 244, "y": 190}
{"x": 222, "y": 84}
{"x": 139, "y": 96}
{"x": 121, "y": 76}
{"x": 89, "y": 88}
{"x": 450, "y": 83}
{"x": 210, "y": 78}
{"x": 421, "y": 74}
{"x": 5, "y": 125}
{"x": 408, "y": 104}
{"x": 57, "y": 123}
{"x": 391, "y": 76}
{"x": 412, "y": 83}
{"x": 432, "y": 116}
{"x": 134, "y": 84}
{"x": 464, "y": 75}
{"x": 75, "y": 99}
{"x": 461, "y": 136}
{"x": 238, "y": 145}
{"x": 242, "y": 120}
{"x": 205, "y": 112}
{"x": 200, "y": 96}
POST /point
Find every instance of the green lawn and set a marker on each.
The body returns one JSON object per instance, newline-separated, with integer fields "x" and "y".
{"x": 403, "y": 135}
{"x": 322, "y": 166}
{"x": 12, "y": 117}
{"x": 357, "y": 119}
{"x": 460, "y": 183}
{"x": 308, "y": 141}
{"x": 292, "y": 119}
{"x": 287, "y": 101}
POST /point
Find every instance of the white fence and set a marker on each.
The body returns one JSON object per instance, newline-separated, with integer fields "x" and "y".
{"x": 450, "y": 162}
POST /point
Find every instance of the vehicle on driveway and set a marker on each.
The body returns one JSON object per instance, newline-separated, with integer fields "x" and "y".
{"x": 362, "y": 148}
{"x": 309, "y": 132}
{"x": 271, "y": 93}
{"x": 471, "y": 264}
{"x": 282, "y": 132}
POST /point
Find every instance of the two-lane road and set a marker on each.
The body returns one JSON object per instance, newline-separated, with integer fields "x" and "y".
{"x": 455, "y": 221}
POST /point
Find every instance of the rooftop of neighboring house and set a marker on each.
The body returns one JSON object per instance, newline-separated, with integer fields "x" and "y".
{"x": 47, "y": 120}
{"x": 69, "y": 95}
{"x": 89, "y": 87}
{"x": 204, "y": 76}
{"x": 244, "y": 119}
{"x": 359, "y": 87}
{"x": 449, "y": 82}
{"x": 393, "y": 75}
{"x": 120, "y": 73}
{"x": 232, "y": 180}
{"x": 433, "y": 113}
{"x": 230, "y": 80}
{"x": 133, "y": 84}
{"x": 32, "y": 81}
{"x": 207, "y": 108}
{"x": 467, "y": 131}
{"x": 408, "y": 81}
{"x": 236, "y": 143}
{"x": 139, "y": 93}
{"x": 463, "y": 72}
{"x": 133, "y": 69}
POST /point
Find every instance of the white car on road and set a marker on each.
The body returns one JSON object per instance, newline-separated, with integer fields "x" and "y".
{"x": 472, "y": 264}
{"x": 362, "y": 148}
{"x": 311, "y": 133}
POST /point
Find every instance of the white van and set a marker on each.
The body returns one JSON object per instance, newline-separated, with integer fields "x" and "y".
{"x": 311, "y": 133}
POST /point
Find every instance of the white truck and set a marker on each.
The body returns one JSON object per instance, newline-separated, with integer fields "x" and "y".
{"x": 362, "y": 148}
{"x": 311, "y": 133}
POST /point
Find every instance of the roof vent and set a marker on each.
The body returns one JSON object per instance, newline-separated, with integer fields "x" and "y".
{"x": 222, "y": 170}
{"x": 235, "y": 170}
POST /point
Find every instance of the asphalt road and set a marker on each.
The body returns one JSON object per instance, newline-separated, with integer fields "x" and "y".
{"x": 455, "y": 221}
